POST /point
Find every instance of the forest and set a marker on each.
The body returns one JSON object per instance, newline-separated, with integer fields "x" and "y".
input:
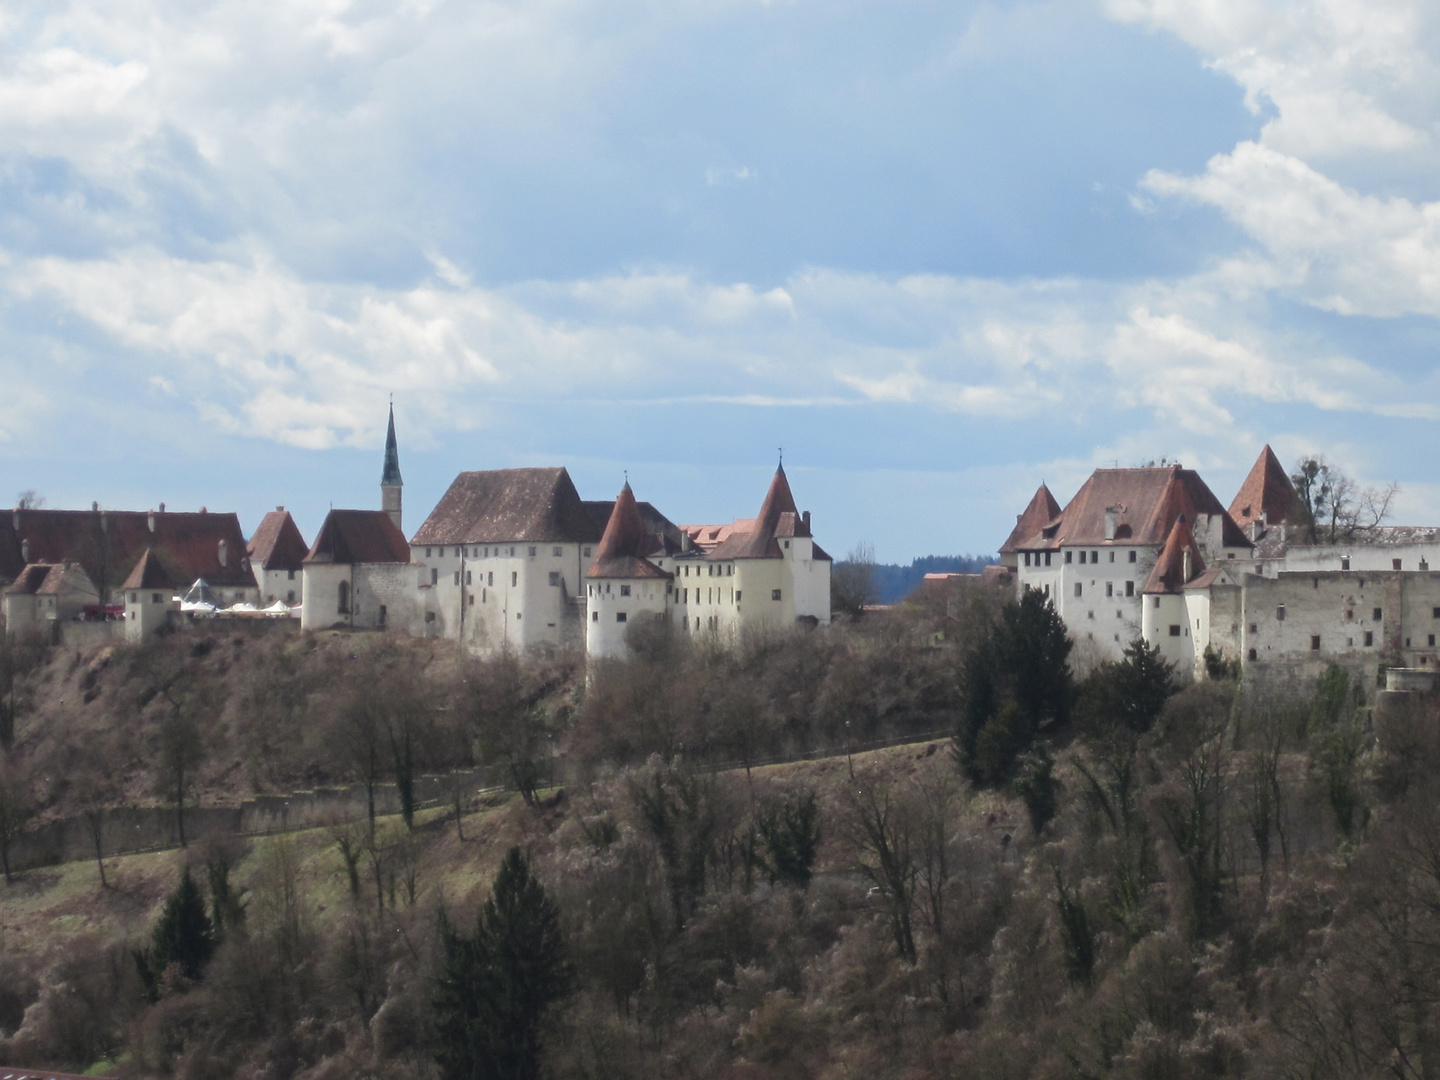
{"x": 926, "y": 842}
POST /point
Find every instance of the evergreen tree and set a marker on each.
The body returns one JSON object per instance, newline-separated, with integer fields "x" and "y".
{"x": 1016, "y": 681}
{"x": 184, "y": 935}
{"x": 494, "y": 987}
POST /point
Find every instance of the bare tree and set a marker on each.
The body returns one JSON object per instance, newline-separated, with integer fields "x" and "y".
{"x": 1335, "y": 506}
{"x": 852, "y": 582}
{"x": 882, "y": 832}
{"x": 29, "y": 499}
{"x": 96, "y": 792}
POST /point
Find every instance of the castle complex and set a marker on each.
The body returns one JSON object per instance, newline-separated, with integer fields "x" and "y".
{"x": 1152, "y": 553}
{"x": 515, "y": 558}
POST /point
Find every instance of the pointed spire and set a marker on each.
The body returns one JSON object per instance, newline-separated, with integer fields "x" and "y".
{"x": 391, "y": 476}
{"x": 1267, "y": 494}
{"x": 1042, "y": 510}
{"x": 620, "y": 554}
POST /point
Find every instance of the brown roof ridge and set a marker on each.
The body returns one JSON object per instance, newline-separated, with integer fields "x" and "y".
{"x": 359, "y": 536}
{"x": 759, "y": 542}
{"x": 622, "y": 547}
{"x": 1041, "y": 510}
{"x": 277, "y": 543}
{"x": 1169, "y": 573}
{"x": 532, "y": 505}
{"x": 1267, "y": 493}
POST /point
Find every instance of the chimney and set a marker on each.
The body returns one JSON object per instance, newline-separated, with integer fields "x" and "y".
{"x": 1112, "y": 518}
{"x": 203, "y": 510}
{"x": 684, "y": 542}
{"x": 94, "y": 507}
{"x": 1185, "y": 568}
{"x": 25, "y": 552}
{"x": 279, "y": 508}
{"x": 806, "y": 518}
{"x": 162, "y": 507}
{"x": 225, "y": 553}
{"x": 15, "y": 520}
{"x": 150, "y": 521}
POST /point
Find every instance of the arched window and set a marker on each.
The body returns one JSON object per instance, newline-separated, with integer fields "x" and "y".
{"x": 344, "y": 606}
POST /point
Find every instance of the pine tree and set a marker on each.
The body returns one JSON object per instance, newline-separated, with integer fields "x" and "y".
{"x": 494, "y": 986}
{"x": 184, "y": 935}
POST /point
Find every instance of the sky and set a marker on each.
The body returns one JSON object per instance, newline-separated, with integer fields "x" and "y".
{"x": 939, "y": 251}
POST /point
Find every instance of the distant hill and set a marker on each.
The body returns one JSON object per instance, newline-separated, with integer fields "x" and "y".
{"x": 894, "y": 582}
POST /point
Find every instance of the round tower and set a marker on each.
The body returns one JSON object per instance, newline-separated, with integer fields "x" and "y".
{"x": 622, "y": 587}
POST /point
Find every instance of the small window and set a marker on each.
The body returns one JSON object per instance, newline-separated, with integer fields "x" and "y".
{"x": 624, "y": 590}
{"x": 1077, "y": 588}
{"x": 1129, "y": 588}
{"x": 1314, "y": 642}
{"x": 737, "y": 596}
{"x": 1027, "y": 558}
{"x": 587, "y": 552}
{"x": 484, "y": 595}
{"x": 343, "y": 605}
{"x": 1344, "y": 562}
{"x": 1047, "y": 558}
{"x": 1280, "y": 613}
{"x": 1377, "y": 615}
{"x": 684, "y": 596}
{"x": 1254, "y": 628}
{"x": 1253, "y": 655}
{"x": 290, "y": 597}
{"x": 1394, "y": 564}
{"x": 512, "y": 553}
{"x": 135, "y": 599}
{"x": 1174, "y": 629}
{"x": 1047, "y": 590}
{"x": 1082, "y": 558}
{"x": 514, "y": 578}
{"x": 381, "y": 614}
{"x": 517, "y": 616}
{"x": 1109, "y": 588}
{"x": 594, "y": 616}
{"x": 1094, "y": 556}
{"x": 619, "y": 616}
{"x": 469, "y": 578}
{"x": 1068, "y": 556}
{"x": 155, "y": 597}
{"x": 1432, "y": 641}
{"x": 434, "y": 576}
{"x": 774, "y": 594}
{"x": 429, "y": 616}
{"x": 1112, "y": 556}
{"x": 290, "y": 575}
{"x": 557, "y": 551}
{"x": 490, "y": 578}
{"x": 457, "y": 577}
{"x": 787, "y": 545}
{"x": 1155, "y": 601}
{"x": 554, "y": 577}
{"x": 427, "y": 553}
{"x": 534, "y": 551}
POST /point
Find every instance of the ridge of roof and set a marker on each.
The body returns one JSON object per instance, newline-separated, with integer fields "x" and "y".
{"x": 155, "y": 570}
{"x": 1039, "y": 512}
{"x": 1168, "y": 575}
{"x": 358, "y": 536}
{"x": 535, "y": 505}
{"x": 1267, "y": 492}
{"x": 277, "y": 543}
{"x": 759, "y": 541}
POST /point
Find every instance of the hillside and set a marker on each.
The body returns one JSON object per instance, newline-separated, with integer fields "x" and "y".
{"x": 1148, "y": 884}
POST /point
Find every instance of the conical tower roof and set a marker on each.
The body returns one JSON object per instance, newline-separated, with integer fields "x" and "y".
{"x": 1168, "y": 575}
{"x": 759, "y": 542}
{"x": 1042, "y": 510}
{"x": 391, "y": 476}
{"x": 1267, "y": 492}
{"x": 619, "y": 554}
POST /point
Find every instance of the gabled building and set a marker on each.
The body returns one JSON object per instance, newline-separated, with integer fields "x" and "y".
{"x": 46, "y": 593}
{"x": 505, "y": 552}
{"x": 277, "y": 553}
{"x": 766, "y": 571}
{"x": 1095, "y": 557}
{"x": 358, "y": 574}
{"x": 109, "y": 543}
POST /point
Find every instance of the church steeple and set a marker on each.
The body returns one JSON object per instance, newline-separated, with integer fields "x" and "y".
{"x": 390, "y": 482}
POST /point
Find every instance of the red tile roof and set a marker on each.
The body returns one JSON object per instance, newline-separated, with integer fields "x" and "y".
{"x": 1147, "y": 503}
{"x": 758, "y": 542}
{"x": 523, "y": 505}
{"x": 29, "y": 580}
{"x": 1168, "y": 574}
{"x": 108, "y": 543}
{"x": 277, "y": 543}
{"x": 359, "y": 536}
{"x": 622, "y": 548}
{"x": 1042, "y": 510}
{"x": 1267, "y": 492}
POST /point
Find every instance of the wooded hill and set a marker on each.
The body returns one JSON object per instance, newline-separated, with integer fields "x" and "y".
{"x": 1093, "y": 877}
